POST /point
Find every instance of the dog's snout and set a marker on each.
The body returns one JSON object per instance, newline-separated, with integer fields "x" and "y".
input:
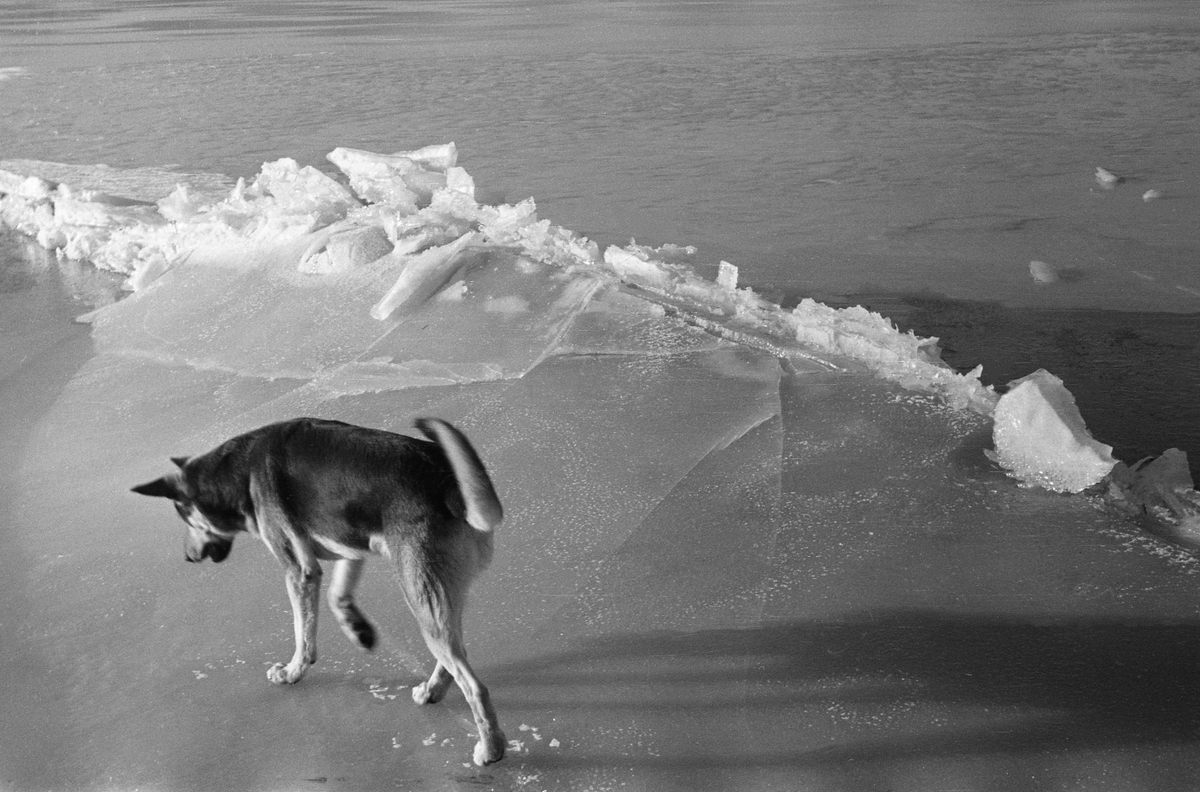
{"x": 217, "y": 551}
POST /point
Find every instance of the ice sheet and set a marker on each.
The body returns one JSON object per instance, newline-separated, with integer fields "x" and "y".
{"x": 731, "y": 560}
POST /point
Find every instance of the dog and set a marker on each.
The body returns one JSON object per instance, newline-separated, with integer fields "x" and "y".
{"x": 316, "y": 489}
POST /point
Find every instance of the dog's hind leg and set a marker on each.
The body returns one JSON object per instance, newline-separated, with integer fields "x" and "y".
{"x": 440, "y": 618}
{"x": 356, "y": 626}
{"x": 433, "y": 689}
{"x": 452, "y": 663}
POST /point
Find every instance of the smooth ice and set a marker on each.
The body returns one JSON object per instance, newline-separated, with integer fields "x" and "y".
{"x": 744, "y": 548}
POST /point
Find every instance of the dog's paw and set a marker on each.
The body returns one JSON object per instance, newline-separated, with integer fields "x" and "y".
{"x": 354, "y": 625}
{"x": 426, "y": 693}
{"x": 281, "y": 674}
{"x": 490, "y": 749}
{"x": 362, "y": 633}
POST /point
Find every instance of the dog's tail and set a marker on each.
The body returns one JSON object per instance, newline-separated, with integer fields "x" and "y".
{"x": 484, "y": 512}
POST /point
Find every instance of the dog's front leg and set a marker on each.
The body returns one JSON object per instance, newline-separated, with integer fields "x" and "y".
{"x": 346, "y": 573}
{"x": 304, "y": 588}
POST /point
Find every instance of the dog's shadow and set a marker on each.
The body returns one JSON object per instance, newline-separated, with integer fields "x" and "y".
{"x": 1027, "y": 685}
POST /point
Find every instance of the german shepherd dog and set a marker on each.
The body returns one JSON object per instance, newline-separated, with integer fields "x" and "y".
{"x": 314, "y": 489}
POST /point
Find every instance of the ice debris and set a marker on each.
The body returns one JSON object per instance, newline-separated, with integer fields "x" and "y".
{"x": 1043, "y": 272}
{"x": 1107, "y": 179}
{"x": 1151, "y": 195}
{"x": 1162, "y": 489}
{"x": 1041, "y": 438}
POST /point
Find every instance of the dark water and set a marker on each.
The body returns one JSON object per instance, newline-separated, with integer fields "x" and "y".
{"x": 1134, "y": 375}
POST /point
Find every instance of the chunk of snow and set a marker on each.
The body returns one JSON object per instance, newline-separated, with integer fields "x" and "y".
{"x": 1041, "y": 439}
{"x": 1151, "y": 195}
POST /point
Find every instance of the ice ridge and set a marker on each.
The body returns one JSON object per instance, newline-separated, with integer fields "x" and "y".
{"x": 396, "y": 233}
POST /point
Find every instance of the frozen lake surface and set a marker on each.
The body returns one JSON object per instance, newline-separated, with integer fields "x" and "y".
{"x": 719, "y": 571}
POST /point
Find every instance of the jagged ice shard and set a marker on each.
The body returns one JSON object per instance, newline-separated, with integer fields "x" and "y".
{"x": 673, "y": 453}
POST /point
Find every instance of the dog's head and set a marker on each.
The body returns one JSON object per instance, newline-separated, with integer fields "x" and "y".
{"x": 210, "y": 533}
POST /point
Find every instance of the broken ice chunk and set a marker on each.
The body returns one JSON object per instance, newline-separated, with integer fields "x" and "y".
{"x": 343, "y": 249}
{"x": 727, "y": 275}
{"x": 459, "y": 180}
{"x": 1043, "y": 272}
{"x": 402, "y": 181}
{"x": 1041, "y": 438}
{"x": 1107, "y": 179}
{"x": 1163, "y": 489}
{"x": 423, "y": 274}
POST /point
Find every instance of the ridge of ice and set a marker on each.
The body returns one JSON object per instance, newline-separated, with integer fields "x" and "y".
{"x": 411, "y": 220}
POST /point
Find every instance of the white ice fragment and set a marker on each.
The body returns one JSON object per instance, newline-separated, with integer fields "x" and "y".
{"x": 147, "y": 271}
{"x": 344, "y": 249}
{"x": 1107, "y": 179}
{"x": 439, "y": 156}
{"x": 554, "y": 743}
{"x": 1041, "y": 439}
{"x": 423, "y": 274}
{"x": 1043, "y": 272}
{"x": 1151, "y": 195}
{"x": 633, "y": 268}
{"x": 727, "y": 275}
{"x": 301, "y": 191}
{"x": 453, "y": 293}
{"x": 430, "y": 740}
{"x": 459, "y": 180}
{"x": 402, "y": 181}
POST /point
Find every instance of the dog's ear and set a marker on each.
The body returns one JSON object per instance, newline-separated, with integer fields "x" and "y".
{"x": 179, "y": 461}
{"x": 165, "y": 487}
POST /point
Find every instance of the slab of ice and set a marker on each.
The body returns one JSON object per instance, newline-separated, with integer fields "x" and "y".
{"x": 1041, "y": 438}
